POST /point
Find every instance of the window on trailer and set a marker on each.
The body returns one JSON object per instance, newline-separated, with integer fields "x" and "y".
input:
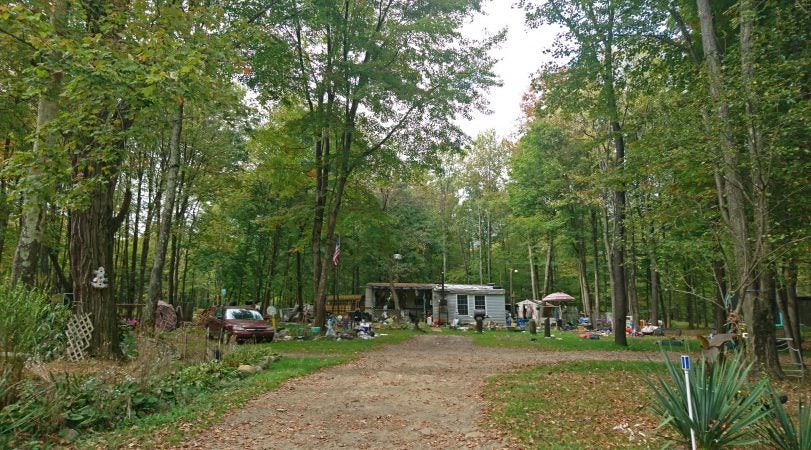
{"x": 461, "y": 305}
{"x": 480, "y": 303}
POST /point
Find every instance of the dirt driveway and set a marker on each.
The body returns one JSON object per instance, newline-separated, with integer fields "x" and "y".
{"x": 423, "y": 393}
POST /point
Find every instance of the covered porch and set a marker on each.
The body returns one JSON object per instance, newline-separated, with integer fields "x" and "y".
{"x": 414, "y": 299}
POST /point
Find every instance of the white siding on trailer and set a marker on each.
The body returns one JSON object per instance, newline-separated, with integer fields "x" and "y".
{"x": 493, "y": 299}
{"x": 495, "y": 308}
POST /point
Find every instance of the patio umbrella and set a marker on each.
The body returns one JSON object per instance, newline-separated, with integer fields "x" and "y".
{"x": 558, "y": 297}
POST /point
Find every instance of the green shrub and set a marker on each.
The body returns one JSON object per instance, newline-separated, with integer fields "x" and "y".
{"x": 206, "y": 376}
{"x": 30, "y": 327}
{"x": 68, "y": 401}
{"x": 725, "y": 404}
{"x": 783, "y": 432}
{"x": 43, "y": 408}
{"x": 255, "y": 355}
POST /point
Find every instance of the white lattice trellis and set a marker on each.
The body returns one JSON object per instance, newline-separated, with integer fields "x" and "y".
{"x": 78, "y": 333}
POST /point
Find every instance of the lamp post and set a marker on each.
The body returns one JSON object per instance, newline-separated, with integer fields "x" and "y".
{"x": 396, "y": 278}
{"x": 397, "y": 258}
{"x": 512, "y": 294}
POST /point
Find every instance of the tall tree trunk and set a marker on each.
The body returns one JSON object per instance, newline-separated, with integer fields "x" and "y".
{"x": 633, "y": 294}
{"x": 177, "y": 244}
{"x": 619, "y": 293}
{"x": 548, "y": 275}
{"x": 156, "y": 275}
{"x": 285, "y": 290}
{"x": 489, "y": 248}
{"x": 91, "y": 248}
{"x": 733, "y": 179}
{"x": 481, "y": 246}
{"x": 173, "y": 252}
{"x": 322, "y": 177}
{"x": 152, "y": 212}
{"x": 654, "y": 297}
{"x": 274, "y": 255}
{"x": 595, "y": 268}
{"x": 135, "y": 232}
{"x": 464, "y": 250}
{"x": 719, "y": 308}
{"x": 654, "y": 277}
{"x": 580, "y": 249}
{"x": 183, "y": 296}
{"x": 299, "y": 287}
{"x": 607, "y": 244}
{"x": 5, "y": 207}
{"x": 780, "y": 296}
{"x": 761, "y": 314}
{"x": 124, "y": 255}
{"x": 259, "y": 273}
{"x": 790, "y": 275}
{"x": 532, "y": 273}
{"x": 32, "y": 223}
{"x": 689, "y": 298}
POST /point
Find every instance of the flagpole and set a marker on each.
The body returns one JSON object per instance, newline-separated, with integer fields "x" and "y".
{"x": 338, "y": 284}
{"x": 336, "y": 254}
{"x": 335, "y": 289}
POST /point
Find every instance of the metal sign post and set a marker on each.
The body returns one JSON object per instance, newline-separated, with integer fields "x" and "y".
{"x": 685, "y": 366}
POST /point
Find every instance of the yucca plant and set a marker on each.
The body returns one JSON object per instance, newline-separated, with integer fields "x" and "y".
{"x": 781, "y": 431}
{"x": 725, "y": 404}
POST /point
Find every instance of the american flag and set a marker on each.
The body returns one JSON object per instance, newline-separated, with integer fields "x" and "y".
{"x": 336, "y": 255}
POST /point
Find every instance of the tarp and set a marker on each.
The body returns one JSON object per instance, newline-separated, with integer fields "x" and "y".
{"x": 528, "y": 309}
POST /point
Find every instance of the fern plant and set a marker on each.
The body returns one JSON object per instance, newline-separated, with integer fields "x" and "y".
{"x": 30, "y": 327}
{"x": 725, "y": 405}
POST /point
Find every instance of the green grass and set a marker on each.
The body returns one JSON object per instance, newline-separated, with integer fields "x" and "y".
{"x": 184, "y": 421}
{"x": 571, "y": 341}
{"x": 575, "y": 405}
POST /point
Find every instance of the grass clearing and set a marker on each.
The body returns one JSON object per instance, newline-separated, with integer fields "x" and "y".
{"x": 579, "y": 405}
{"x": 571, "y": 341}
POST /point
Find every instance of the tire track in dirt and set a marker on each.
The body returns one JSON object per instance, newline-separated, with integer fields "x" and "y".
{"x": 423, "y": 393}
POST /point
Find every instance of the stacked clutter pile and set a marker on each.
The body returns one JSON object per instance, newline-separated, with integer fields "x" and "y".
{"x": 165, "y": 317}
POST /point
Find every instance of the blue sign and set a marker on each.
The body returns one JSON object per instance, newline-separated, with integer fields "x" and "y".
{"x": 685, "y": 362}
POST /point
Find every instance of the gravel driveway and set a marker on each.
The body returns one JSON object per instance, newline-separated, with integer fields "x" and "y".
{"x": 423, "y": 393}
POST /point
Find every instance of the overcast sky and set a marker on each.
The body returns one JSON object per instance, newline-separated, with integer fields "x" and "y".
{"x": 519, "y": 57}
